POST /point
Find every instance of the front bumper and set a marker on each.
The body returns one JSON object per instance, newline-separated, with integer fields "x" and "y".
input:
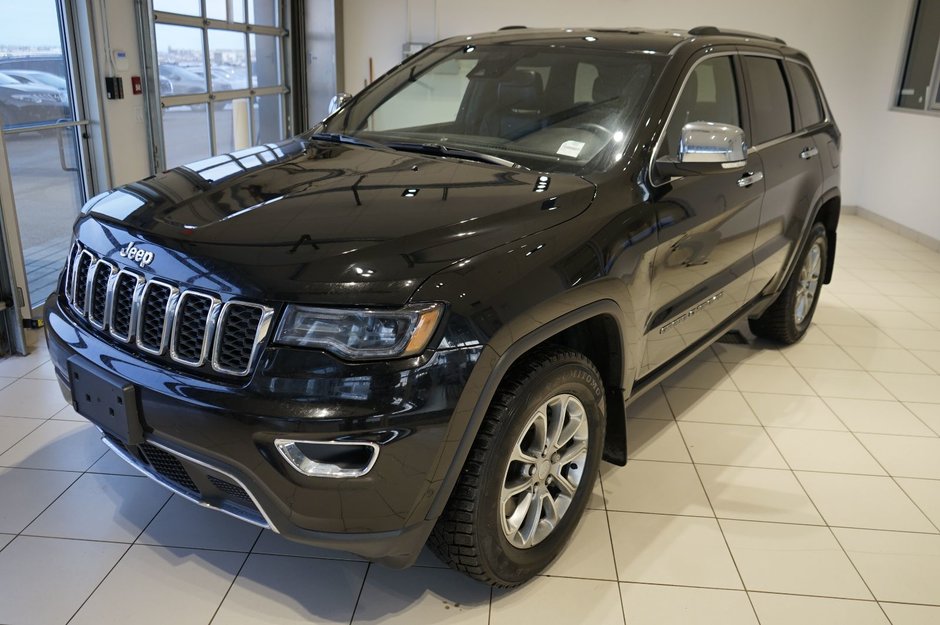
{"x": 212, "y": 441}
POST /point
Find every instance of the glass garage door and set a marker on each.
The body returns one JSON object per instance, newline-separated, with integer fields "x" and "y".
{"x": 43, "y": 140}
{"x": 219, "y": 69}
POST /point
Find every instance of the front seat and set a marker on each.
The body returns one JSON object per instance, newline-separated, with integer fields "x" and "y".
{"x": 518, "y": 106}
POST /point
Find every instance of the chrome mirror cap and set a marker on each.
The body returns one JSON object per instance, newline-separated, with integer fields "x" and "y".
{"x": 708, "y": 142}
{"x": 339, "y": 101}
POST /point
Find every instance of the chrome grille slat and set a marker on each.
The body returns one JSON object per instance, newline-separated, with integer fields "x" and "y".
{"x": 183, "y": 326}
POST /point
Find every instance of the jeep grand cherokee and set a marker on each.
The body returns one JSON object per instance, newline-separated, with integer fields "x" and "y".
{"x": 425, "y": 319}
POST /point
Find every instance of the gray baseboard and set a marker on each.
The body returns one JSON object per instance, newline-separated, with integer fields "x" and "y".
{"x": 893, "y": 226}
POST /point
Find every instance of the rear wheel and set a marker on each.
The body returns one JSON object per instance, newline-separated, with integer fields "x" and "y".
{"x": 789, "y": 317}
{"x": 530, "y": 471}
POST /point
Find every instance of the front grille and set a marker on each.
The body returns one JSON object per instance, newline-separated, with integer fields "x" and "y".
{"x": 161, "y": 319}
{"x": 236, "y": 336}
{"x": 151, "y": 326}
{"x": 167, "y": 465}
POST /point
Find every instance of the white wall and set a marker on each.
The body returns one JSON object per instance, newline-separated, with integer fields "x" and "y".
{"x": 124, "y": 120}
{"x": 890, "y": 158}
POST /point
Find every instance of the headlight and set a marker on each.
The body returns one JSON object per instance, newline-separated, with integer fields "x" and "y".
{"x": 361, "y": 334}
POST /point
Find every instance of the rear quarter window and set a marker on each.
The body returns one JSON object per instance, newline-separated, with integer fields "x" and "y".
{"x": 806, "y": 93}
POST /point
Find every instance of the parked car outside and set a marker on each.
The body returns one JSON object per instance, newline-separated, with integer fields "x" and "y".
{"x": 29, "y": 102}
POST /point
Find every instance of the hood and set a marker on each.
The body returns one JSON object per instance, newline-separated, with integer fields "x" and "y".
{"x": 325, "y": 223}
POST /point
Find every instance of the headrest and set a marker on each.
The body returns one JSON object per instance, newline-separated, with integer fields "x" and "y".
{"x": 520, "y": 89}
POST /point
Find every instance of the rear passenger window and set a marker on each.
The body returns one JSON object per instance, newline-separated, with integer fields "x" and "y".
{"x": 769, "y": 99}
{"x": 807, "y": 97}
{"x": 709, "y": 95}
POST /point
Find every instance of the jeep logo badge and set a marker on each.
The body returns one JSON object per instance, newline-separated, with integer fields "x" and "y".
{"x": 139, "y": 255}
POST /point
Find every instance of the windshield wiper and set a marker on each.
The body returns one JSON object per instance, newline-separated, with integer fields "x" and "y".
{"x": 336, "y": 137}
{"x": 436, "y": 149}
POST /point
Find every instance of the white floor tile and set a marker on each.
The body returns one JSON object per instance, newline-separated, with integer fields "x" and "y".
{"x": 25, "y": 493}
{"x": 549, "y": 600}
{"x": 905, "y": 614}
{"x": 662, "y": 549}
{"x": 45, "y": 580}
{"x": 111, "y": 463}
{"x": 838, "y": 452}
{"x": 820, "y": 357}
{"x": 864, "y": 501}
{"x": 182, "y": 523}
{"x": 763, "y": 379}
{"x": 645, "y": 604}
{"x": 677, "y": 488}
{"x": 18, "y": 366}
{"x": 925, "y": 494}
{"x": 751, "y": 354}
{"x": 905, "y": 456}
{"x": 102, "y": 507}
{"x": 792, "y": 559}
{"x": 159, "y": 585}
{"x": 930, "y": 358}
{"x": 589, "y": 554}
{"x": 835, "y": 383}
{"x": 5, "y": 540}
{"x": 279, "y": 589}
{"x": 274, "y": 544}
{"x": 894, "y": 319}
{"x": 860, "y": 337}
{"x": 897, "y": 566}
{"x": 731, "y": 445}
{"x": 68, "y": 414}
{"x": 910, "y": 387}
{"x": 891, "y": 360}
{"x": 45, "y": 371}
{"x": 60, "y": 445}
{"x": 5, "y": 382}
{"x": 422, "y": 596}
{"x": 915, "y": 339}
{"x": 35, "y": 399}
{"x": 14, "y": 429}
{"x": 710, "y": 406}
{"x": 928, "y": 413}
{"x": 793, "y": 411}
{"x": 757, "y": 495}
{"x": 878, "y": 417}
{"x": 649, "y": 439}
{"x": 776, "y": 609}
{"x": 651, "y": 405}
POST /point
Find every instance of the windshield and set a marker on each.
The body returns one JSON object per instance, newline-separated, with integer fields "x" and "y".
{"x": 545, "y": 107}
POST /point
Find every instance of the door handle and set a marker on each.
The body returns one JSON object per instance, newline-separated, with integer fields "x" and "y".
{"x": 750, "y": 178}
{"x": 808, "y": 153}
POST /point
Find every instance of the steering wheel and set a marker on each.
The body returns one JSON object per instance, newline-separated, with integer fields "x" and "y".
{"x": 595, "y": 127}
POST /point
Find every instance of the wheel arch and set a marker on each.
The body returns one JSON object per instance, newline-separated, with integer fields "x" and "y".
{"x": 596, "y": 330}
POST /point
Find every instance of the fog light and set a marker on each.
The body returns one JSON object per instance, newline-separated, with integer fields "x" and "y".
{"x": 329, "y": 458}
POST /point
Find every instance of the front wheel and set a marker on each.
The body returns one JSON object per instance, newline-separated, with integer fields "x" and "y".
{"x": 530, "y": 471}
{"x": 788, "y": 318}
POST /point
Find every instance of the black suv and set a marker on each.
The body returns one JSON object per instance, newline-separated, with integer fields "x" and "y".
{"x": 425, "y": 319}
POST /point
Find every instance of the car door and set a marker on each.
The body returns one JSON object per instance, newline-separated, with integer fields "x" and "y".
{"x": 790, "y": 155}
{"x": 707, "y": 223}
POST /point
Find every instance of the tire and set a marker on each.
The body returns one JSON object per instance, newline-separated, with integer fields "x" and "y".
{"x": 473, "y": 534}
{"x": 788, "y": 318}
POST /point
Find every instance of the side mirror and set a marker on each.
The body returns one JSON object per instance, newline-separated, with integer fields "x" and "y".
{"x": 339, "y": 101}
{"x": 706, "y": 148}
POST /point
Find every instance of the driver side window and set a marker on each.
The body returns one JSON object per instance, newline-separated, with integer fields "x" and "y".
{"x": 709, "y": 95}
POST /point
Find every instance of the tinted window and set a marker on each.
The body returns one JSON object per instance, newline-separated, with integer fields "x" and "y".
{"x": 807, "y": 98}
{"x": 709, "y": 95}
{"x": 770, "y": 100}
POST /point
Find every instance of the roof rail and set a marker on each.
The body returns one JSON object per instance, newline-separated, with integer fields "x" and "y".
{"x": 513, "y": 27}
{"x": 714, "y": 30}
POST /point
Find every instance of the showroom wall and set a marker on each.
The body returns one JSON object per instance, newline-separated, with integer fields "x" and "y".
{"x": 890, "y": 157}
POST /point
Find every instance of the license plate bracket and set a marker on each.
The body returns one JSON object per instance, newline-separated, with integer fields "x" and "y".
{"x": 106, "y": 400}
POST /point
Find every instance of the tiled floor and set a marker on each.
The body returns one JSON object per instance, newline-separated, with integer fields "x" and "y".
{"x": 772, "y": 486}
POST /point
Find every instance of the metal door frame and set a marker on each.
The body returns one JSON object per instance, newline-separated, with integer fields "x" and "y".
{"x": 148, "y": 18}
{"x": 9, "y": 228}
